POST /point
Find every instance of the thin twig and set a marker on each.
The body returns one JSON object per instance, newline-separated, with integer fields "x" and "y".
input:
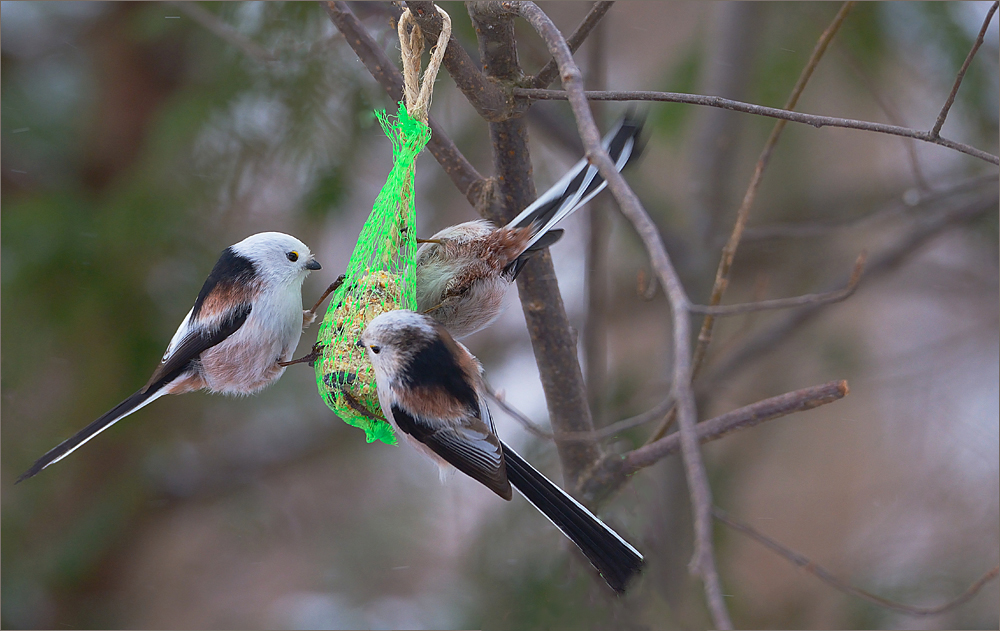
{"x": 517, "y": 415}
{"x": 827, "y": 577}
{"x": 804, "y": 229}
{"x": 824, "y": 298}
{"x": 716, "y": 428}
{"x": 742, "y": 418}
{"x": 729, "y": 251}
{"x": 653, "y": 414}
{"x": 926, "y": 228}
{"x": 936, "y": 130}
{"x": 891, "y": 112}
{"x": 613, "y": 471}
{"x": 760, "y": 110}
{"x": 465, "y": 177}
{"x": 225, "y": 32}
{"x": 703, "y": 561}
{"x": 549, "y": 71}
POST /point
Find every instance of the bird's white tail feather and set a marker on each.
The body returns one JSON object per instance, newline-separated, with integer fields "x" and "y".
{"x": 152, "y": 398}
{"x": 138, "y": 400}
{"x": 579, "y": 196}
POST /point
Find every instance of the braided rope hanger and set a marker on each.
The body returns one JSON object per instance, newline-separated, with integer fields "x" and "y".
{"x": 417, "y": 95}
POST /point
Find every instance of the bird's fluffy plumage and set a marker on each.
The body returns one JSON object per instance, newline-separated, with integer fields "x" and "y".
{"x": 247, "y": 317}
{"x": 431, "y": 389}
{"x": 464, "y": 271}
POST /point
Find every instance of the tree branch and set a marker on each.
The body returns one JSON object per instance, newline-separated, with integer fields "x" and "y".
{"x": 827, "y": 577}
{"x": 804, "y": 229}
{"x": 742, "y": 418}
{"x": 816, "y": 300}
{"x": 712, "y": 429}
{"x": 595, "y": 324}
{"x": 703, "y": 562}
{"x": 771, "y": 112}
{"x": 224, "y": 31}
{"x": 926, "y": 229}
{"x": 613, "y": 472}
{"x": 729, "y": 251}
{"x": 553, "y": 344}
{"x": 935, "y": 131}
{"x": 549, "y": 71}
{"x": 465, "y": 177}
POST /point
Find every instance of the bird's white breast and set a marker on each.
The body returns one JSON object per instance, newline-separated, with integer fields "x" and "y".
{"x": 247, "y": 361}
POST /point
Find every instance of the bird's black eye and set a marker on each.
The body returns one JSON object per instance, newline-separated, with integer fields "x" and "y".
{"x": 375, "y": 348}
{"x": 293, "y": 256}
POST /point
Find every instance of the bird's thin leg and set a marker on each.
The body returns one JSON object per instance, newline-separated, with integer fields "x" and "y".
{"x": 311, "y": 358}
{"x": 357, "y": 407}
{"x": 454, "y": 292}
{"x": 334, "y": 286}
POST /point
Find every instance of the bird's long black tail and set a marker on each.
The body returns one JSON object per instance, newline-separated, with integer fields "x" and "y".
{"x": 68, "y": 446}
{"x": 614, "y": 558}
{"x": 575, "y": 189}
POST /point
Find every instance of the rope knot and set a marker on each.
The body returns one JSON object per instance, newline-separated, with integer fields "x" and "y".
{"x": 417, "y": 93}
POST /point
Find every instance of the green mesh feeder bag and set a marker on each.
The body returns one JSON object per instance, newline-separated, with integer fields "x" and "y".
{"x": 381, "y": 276}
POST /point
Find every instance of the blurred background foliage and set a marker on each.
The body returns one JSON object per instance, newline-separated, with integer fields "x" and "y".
{"x": 138, "y": 142}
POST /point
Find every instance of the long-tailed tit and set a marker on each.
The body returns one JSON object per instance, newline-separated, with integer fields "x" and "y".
{"x": 463, "y": 272}
{"x": 242, "y": 330}
{"x": 431, "y": 388}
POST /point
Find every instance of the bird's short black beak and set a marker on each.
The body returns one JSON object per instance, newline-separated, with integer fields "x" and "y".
{"x": 360, "y": 344}
{"x": 313, "y": 264}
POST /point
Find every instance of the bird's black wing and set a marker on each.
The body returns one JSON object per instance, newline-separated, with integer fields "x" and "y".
{"x": 474, "y": 451}
{"x": 194, "y": 344}
{"x": 616, "y": 560}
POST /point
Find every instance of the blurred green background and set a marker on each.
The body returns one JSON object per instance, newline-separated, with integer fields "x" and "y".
{"x": 140, "y": 139}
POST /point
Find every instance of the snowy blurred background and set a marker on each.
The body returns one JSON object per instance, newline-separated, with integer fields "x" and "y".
{"x": 138, "y": 142}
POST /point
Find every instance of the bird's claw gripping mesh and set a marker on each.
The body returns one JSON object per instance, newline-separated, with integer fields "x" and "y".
{"x": 381, "y": 276}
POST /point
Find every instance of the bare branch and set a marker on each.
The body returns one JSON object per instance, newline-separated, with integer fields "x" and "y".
{"x": 891, "y": 112}
{"x": 517, "y": 415}
{"x": 729, "y": 251}
{"x": 656, "y": 413}
{"x": 552, "y": 342}
{"x": 827, "y": 577}
{"x": 771, "y": 112}
{"x": 935, "y": 131}
{"x": 613, "y": 471}
{"x": 817, "y": 300}
{"x": 225, "y": 32}
{"x": 715, "y": 428}
{"x": 703, "y": 562}
{"x": 742, "y": 418}
{"x": 465, "y": 177}
{"x": 548, "y": 72}
{"x": 926, "y": 229}
{"x": 803, "y": 229}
